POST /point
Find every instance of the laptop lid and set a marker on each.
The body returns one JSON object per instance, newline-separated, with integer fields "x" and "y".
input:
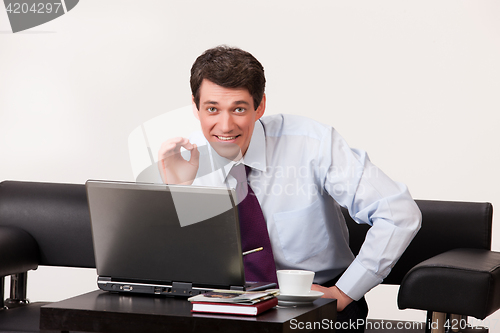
{"x": 165, "y": 234}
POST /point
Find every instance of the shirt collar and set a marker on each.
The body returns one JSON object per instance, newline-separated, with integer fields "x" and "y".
{"x": 255, "y": 156}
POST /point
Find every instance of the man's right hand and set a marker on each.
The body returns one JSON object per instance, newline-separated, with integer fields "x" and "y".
{"x": 174, "y": 169}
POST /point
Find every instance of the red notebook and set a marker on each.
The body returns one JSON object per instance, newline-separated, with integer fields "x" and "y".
{"x": 234, "y": 308}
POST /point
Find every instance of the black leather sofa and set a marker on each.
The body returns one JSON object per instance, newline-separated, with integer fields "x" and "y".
{"x": 448, "y": 270}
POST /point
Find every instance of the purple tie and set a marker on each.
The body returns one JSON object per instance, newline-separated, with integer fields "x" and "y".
{"x": 259, "y": 266}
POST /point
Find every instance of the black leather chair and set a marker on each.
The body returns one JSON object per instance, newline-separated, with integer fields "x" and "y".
{"x": 448, "y": 270}
{"x": 49, "y": 224}
{"x": 40, "y": 224}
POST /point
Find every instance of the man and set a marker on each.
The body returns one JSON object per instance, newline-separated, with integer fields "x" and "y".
{"x": 301, "y": 172}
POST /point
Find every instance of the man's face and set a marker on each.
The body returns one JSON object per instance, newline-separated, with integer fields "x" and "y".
{"x": 227, "y": 117}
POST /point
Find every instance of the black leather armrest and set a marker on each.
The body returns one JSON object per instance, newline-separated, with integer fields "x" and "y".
{"x": 18, "y": 251}
{"x": 460, "y": 281}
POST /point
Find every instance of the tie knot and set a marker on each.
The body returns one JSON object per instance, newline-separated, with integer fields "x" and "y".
{"x": 247, "y": 170}
{"x": 240, "y": 172}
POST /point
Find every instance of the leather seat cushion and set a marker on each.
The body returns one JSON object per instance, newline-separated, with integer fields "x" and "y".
{"x": 460, "y": 281}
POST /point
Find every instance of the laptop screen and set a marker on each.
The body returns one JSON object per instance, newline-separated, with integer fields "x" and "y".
{"x": 166, "y": 233}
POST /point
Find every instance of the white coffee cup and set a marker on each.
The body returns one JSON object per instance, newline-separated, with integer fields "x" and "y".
{"x": 295, "y": 282}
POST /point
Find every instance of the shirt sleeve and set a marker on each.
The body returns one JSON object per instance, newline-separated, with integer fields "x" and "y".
{"x": 372, "y": 198}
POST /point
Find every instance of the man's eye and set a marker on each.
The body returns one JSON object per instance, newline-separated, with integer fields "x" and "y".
{"x": 239, "y": 110}
{"x": 212, "y": 109}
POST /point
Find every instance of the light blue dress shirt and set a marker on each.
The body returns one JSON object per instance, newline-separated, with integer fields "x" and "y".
{"x": 302, "y": 172}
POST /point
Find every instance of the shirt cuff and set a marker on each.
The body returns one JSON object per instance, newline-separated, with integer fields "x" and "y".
{"x": 357, "y": 281}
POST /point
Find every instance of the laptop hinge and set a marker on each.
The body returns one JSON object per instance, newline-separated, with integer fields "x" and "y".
{"x": 237, "y": 288}
{"x": 182, "y": 288}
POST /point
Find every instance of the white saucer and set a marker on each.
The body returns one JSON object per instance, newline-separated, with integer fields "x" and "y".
{"x": 294, "y": 304}
{"x": 305, "y": 298}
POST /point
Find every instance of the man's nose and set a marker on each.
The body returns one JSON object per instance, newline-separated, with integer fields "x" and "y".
{"x": 226, "y": 122}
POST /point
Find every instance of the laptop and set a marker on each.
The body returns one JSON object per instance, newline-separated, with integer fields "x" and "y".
{"x": 166, "y": 239}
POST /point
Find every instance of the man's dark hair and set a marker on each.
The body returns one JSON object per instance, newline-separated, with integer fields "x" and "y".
{"x": 228, "y": 67}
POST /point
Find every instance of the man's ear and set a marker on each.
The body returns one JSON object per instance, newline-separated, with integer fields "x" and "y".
{"x": 196, "y": 113}
{"x": 262, "y": 107}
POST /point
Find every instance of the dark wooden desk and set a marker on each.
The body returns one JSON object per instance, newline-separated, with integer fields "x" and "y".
{"x": 100, "y": 311}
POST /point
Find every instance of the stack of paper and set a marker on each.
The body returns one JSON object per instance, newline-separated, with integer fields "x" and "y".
{"x": 235, "y": 302}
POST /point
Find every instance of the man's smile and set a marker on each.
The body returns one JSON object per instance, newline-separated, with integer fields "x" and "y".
{"x": 226, "y": 138}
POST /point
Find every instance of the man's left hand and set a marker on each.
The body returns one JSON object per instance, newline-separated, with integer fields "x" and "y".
{"x": 333, "y": 292}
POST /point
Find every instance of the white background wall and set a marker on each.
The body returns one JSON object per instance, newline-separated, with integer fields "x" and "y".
{"x": 415, "y": 83}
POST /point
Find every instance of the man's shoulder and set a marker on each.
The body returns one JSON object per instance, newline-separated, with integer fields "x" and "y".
{"x": 289, "y": 124}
